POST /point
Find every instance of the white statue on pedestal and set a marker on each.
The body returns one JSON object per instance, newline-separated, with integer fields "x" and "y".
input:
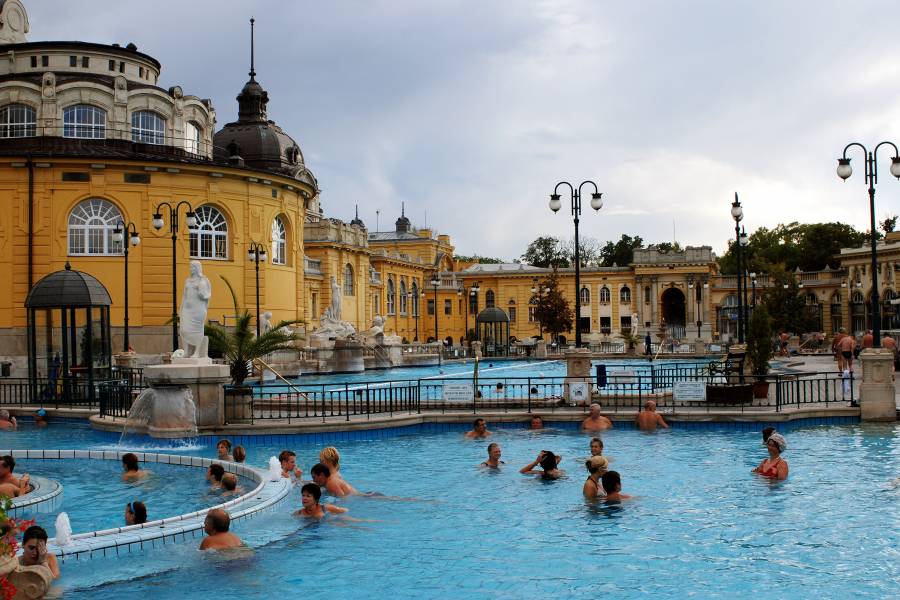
{"x": 192, "y": 318}
{"x": 265, "y": 322}
{"x": 331, "y": 326}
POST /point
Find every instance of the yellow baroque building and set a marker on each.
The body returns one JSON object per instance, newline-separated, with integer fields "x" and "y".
{"x": 89, "y": 142}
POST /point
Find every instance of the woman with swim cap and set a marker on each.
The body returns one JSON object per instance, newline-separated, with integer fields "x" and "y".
{"x": 774, "y": 467}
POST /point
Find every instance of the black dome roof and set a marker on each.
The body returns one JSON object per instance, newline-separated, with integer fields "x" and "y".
{"x": 492, "y": 315}
{"x": 258, "y": 141}
{"x": 65, "y": 289}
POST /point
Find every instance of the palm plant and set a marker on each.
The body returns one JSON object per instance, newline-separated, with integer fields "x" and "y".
{"x": 240, "y": 345}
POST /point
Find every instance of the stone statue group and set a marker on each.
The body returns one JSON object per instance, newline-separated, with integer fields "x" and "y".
{"x": 195, "y": 305}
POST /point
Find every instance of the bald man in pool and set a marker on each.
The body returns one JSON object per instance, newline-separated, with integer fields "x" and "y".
{"x": 648, "y": 419}
{"x": 216, "y": 527}
{"x": 595, "y": 421}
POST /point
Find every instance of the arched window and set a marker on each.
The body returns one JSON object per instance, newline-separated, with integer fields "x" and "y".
{"x": 730, "y": 300}
{"x": 91, "y": 225}
{"x": 193, "y": 139}
{"x": 489, "y": 299}
{"x": 279, "y": 242}
{"x": 209, "y": 239}
{"x": 403, "y": 303}
{"x": 148, "y": 127}
{"x": 586, "y": 295}
{"x": 348, "y": 280}
{"x": 415, "y": 299}
{"x": 604, "y": 295}
{"x": 625, "y": 295}
{"x": 17, "y": 120}
{"x": 391, "y": 296}
{"x": 84, "y": 121}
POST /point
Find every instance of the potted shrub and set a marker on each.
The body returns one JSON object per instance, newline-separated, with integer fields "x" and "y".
{"x": 759, "y": 349}
{"x": 239, "y": 346}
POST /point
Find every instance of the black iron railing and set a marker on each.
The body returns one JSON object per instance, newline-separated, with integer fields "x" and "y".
{"x": 621, "y": 391}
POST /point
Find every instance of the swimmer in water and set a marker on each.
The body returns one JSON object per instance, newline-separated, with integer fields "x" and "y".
{"x": 493, "y": 461}
{"x": 223, "y": 449}
{"x": 230, "y": 485}
{"x": 34, "y": 551}
{"x": 596, "y": 466}
{"x": 612, "y": 485}
{"x": 135, "y": 513}
{"x": 548, "y": 462}
{"x": 310, "y": 494}
{"x": 331, "y": 458}
{"x": 479, "y": 429}
{"x": 214, "y": 475}
{"x": 596, "y": 446}
{"x": 288, "y": 460}
{"x": 216, "y": 527}
{"x": 133, "y": 471}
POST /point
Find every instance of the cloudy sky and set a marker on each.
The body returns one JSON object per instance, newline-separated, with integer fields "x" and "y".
{"x": 471, "y": 111}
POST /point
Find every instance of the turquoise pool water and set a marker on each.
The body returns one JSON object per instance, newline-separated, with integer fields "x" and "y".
{"x": 701, "y": 524}
{"x": 94, "y": 495}
{"x": 490, "y": 369}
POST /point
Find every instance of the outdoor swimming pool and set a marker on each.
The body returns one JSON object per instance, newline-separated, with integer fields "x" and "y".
{"x": 701, "y": 524}
{"x": 493, "y": 369}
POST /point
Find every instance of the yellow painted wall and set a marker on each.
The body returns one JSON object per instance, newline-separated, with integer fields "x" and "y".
{"x": 248, "y": 207}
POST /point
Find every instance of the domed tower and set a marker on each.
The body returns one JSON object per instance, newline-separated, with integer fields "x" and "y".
{"x": 255, "y": 141}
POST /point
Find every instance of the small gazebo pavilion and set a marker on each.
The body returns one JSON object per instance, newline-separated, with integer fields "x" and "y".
{"x": 492, "y": 330}
{"x": 69, "y": 346}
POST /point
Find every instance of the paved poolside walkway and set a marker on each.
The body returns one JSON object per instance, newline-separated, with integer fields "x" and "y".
{"x": 822, "y": 364}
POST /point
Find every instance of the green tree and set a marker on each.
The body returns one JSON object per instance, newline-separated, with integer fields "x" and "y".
{"x": 551, "y": 308}
{"x": 759, "y": 340}
{"x": 546, "y": 251}
{"x": 589, "y": 251}
{"x": 620, "y": 253}
{"x": 888, "y": 224}
{"x": 483, "y": 260}
{"x": 669, "y": 247}
{"x": 240, "y": 345}
{"x": 786, "y": 304}
{"x": 809, "y": 247}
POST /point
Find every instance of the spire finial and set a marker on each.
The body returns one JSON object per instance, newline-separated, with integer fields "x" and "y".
{"x": 252, "y": 70}
{"x": 403, "y": 209}
{"x": 357, "y": 210}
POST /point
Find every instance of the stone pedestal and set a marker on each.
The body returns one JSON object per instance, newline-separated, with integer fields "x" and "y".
{"x": 699, "y": 347}
{"x": 578, "y": 371}
{"x": 126, "y": 360}
{"x": 540, "y": 349}
{"x": 347, "y": 357}
{"x": 876, "y": 393}
{"x": 205, "y": 381}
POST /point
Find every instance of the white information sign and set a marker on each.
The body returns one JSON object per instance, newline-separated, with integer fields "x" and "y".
{"x": 625, "y": 376}
{"x": 458, "y": 392}
{"x": 578, "y": 392}
{"x": 689, "y": 391}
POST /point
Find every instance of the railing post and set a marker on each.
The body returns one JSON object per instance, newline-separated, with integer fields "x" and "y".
{"x": 347, "y": 398}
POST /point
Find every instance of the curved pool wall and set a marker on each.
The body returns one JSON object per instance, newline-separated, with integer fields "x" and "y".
{"x": 266, "y": 496}
{"x": 45, "y": 496}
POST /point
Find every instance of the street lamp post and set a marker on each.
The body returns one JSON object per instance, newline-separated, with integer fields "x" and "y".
{"x": 596, "y": 204}
{"x": 871, "y": 177}
{"x": 190, "y": 221}
{"x": 737, "y": 214}
{"x": 700, "y": 307}
{"x": 691, "y": 293}
{"x": 471, "y": 293}
{"x": 134, "y": 239}
{"x": 435, "y": 282}
{"x": 256, "y": 253}
{"x": 753, "y": 283}
{"x": 745, "y": 241}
